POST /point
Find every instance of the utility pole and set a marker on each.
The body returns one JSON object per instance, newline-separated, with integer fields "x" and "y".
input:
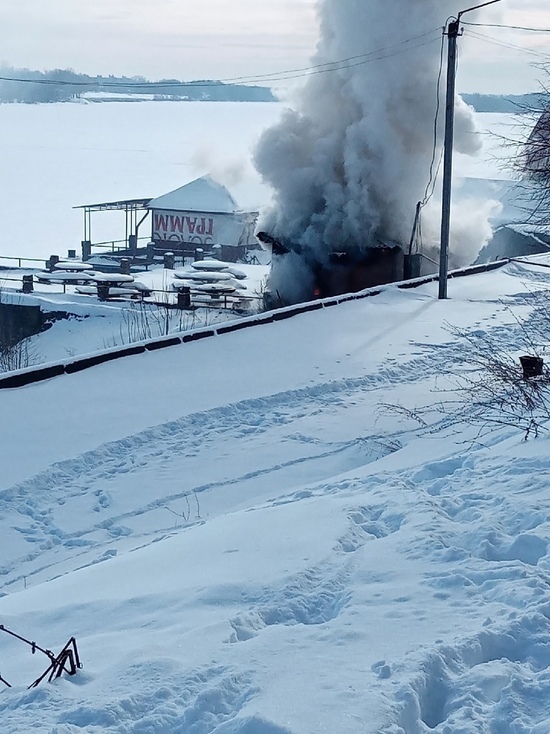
{"x": 452, "y": 33}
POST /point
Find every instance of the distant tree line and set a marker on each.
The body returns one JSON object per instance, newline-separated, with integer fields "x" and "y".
{"x": 62, "y": 85}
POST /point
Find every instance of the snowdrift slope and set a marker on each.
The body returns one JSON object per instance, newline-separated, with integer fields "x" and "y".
{"x": 244, "y": 542}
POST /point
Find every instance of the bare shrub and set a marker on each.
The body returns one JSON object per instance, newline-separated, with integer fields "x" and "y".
{"x": 496, "y": 393}
{"x": 17, "y": 356}
{"x": 144, "y": 321}
{"x": 490, "y": 390}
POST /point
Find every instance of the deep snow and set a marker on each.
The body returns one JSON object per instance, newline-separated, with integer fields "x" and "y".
{"x": 244, "y": 542}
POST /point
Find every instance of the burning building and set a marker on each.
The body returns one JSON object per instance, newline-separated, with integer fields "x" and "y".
{"x": 345, "y": 271}
{"x": 351, "y": 160}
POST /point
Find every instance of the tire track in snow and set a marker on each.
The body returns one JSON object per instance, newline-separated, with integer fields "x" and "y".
{"x": 362, "y": 453}
{"x": 35, "y": 499}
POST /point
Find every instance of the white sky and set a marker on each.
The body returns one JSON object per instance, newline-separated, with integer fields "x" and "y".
{"x": 229, "y": 38}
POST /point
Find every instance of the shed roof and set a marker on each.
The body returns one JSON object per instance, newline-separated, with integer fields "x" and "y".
{"x": 201, "y": 195}
{"x": 122, "y": 205}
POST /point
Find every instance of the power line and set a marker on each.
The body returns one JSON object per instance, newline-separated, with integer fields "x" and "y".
{"x": 358, "y": 63}
{"x": 430, "y": 186}
{"x": 511, "y": 27}
{"x": 511, "y": 46}
{"x": 341, "y": 61}
{"x": 359, "y": 60}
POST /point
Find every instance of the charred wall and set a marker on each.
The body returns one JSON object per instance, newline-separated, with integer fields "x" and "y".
{"x": 348, "y": 274}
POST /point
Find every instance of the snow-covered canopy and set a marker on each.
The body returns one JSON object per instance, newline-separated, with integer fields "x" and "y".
{"x": 201, "y": 195}
{"x": 201, "y": 213}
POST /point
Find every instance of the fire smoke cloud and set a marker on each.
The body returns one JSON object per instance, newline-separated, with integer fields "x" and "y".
{"x": 348, "y": 164}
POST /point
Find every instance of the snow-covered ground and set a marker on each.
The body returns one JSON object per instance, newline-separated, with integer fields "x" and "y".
{"x": 88, "y": 325}
{"x": 245, "y": 541}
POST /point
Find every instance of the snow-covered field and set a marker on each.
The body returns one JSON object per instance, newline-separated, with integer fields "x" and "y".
{"x": 243, "y": 541}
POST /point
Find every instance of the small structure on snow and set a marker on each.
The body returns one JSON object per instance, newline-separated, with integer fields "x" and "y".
{"x": 201, "y": 215}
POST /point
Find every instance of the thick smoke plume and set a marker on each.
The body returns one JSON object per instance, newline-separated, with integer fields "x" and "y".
{"x": 350, "y": 162}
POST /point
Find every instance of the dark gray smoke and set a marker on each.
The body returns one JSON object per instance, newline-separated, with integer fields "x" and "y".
{"x": 349, "y": 163}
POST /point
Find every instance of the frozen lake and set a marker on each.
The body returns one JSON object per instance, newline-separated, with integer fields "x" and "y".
{"x": 59, "y": 156}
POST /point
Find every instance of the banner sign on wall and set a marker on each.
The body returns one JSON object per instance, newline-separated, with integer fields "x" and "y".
{"x": 200, "y": 228}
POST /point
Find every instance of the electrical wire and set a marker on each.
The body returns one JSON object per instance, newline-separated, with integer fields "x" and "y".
{"x": 430, "y": 186}
{"x": 511, "y": 27}
{"x": 377, "y": 55}
{"x": 342, "y": 61}
{"x": 504, "y": 44}
{"x": 360, "y": 63}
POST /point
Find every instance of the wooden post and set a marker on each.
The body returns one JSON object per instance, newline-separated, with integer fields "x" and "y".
{"x": 50, "y": 265}
{"x": 532, "y": 366}
{"x": 86, "y": 250}
{"x": 184, "y": 298}
{"x": 103, "y": 291}
{"x": 27, "y": 284}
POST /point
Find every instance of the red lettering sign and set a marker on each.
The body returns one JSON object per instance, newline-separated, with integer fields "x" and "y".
{"x": 175, "y": 227}
{"x": 176, "y": 224}
{"x": 161, "y": 222}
